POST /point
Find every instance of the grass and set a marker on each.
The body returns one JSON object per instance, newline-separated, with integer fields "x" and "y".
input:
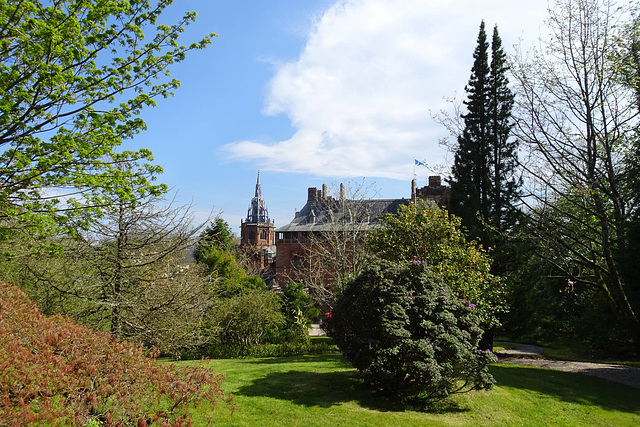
{"x": 500, "y": 345}
{"x": 322, "y": 390}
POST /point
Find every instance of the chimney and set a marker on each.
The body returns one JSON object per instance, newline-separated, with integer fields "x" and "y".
{"x": 341, "y": 192}
{"x": 434, "y": 181}
{"x": 324, "y": 191}
{"x": 312, "y": 194}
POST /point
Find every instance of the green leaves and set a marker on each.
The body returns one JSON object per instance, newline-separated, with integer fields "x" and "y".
{"x": 426, "y": 235}
{"x": 74, "y": 76}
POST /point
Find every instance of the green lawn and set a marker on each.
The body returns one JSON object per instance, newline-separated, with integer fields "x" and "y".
{"x": 324, "y": 391}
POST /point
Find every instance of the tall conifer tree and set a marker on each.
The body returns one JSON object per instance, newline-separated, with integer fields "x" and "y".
{"x": 503, "y": 149}
{"x": 469, "y": 172}
{"x": 483, "y": 188}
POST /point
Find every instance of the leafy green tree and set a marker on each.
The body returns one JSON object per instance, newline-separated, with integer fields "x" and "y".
{"x": 74, "y": 76}
{"x": 628, "y": 254}
{"x": 214, "y": 249}
{"x": 230, "y": 279}
{"x": 483, "y": 187}
{"x": 469, "y": 194}
{"x": 424, "y": 234}
{"x": 409, "y": 334}
{"x": 126, "y": 272}
{"x": 247, "y": 319}
{"x": 503, "y": 147}
{"x": 577, "y": 115}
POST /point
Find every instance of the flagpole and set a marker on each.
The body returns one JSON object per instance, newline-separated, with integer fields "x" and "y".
{"x": 417, "y": 162}
{"x": 414, "y": 169}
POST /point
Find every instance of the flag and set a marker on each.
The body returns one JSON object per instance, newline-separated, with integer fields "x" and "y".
{"x": 419, "y": 163}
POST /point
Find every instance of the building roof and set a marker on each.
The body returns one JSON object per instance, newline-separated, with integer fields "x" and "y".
{"x": 322, "y": 212}
{"x": 322, "y": 215}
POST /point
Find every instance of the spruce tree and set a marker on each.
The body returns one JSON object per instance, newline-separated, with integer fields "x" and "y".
{"x": 503, "y": 149}
{"x": 469, "y": 194}
{"x": 483, "y": 188}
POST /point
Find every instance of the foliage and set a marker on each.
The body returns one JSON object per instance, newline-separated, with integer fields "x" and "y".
{"x": 170, "y": 306}
{"x": 425, "y": 234}
{"x": 230, "y": 278}
{"x": 299, "y": 310}
{"x": 55, "y": 372}
{"x": 578, "y": 118}
{"x": 409, "y": 334}
{"x": 217, "y": 235}
{"x": 165, "y": 307}
{"x": 469, "y": 188}
{"x": 483, "y": 187}
{"x": 74, "y": 76}
{"x": 628, "y": 254}
{"x": 137, "y": 229}
{"x": 126, "y": 271}
{"x": 246, "y": 319}
{"x": 543, "y": 304}
{"x": 546, "y": 306}
{"x": 214, "y": 250}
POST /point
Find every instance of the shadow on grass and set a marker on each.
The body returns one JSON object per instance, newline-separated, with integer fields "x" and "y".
{"x": 326, "y": 389}
{"x": 569, "y": 387}
{"x": 323, "y": 389}
{"x": 283, "y": 360}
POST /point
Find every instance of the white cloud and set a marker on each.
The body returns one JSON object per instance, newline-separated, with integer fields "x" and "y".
{"x": 361, "y": 92}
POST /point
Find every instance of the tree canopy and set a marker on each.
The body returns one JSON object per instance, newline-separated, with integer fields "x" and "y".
{"x": 425, "y": 234}
{"x": 74, "y": 77}
{"x": 577, "y": 113}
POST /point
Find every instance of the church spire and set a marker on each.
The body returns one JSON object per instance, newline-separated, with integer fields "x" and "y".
{"x": 258, "y": 209}
{"x": 258, "y": 188}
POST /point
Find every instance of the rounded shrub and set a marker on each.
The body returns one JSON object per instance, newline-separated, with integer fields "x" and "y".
{"x": 409, "y": 334}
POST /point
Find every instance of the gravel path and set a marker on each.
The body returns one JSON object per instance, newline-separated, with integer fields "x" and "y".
{"x": 533, "y": 355}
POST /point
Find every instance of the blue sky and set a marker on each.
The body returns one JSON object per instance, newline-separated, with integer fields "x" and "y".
{"x": 317, "y": 91}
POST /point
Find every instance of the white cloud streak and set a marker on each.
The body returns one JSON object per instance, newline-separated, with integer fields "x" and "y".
{"x": 360, "y": 94}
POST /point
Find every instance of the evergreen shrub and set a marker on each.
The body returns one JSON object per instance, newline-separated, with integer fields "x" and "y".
{"x": 409, "y": 335}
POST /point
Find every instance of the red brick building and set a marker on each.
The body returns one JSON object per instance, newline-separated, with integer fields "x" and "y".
{"x": 320, "y": 214}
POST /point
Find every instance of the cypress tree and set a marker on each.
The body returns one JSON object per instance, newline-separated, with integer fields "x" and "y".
{"x": 483, "y": 188}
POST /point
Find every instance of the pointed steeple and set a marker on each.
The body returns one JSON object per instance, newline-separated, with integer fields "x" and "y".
{"x": 258, "y": 188}
{"x": 258, "y": 208}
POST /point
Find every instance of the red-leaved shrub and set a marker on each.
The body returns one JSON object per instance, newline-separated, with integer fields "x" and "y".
{"x": 56, "y": 372}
